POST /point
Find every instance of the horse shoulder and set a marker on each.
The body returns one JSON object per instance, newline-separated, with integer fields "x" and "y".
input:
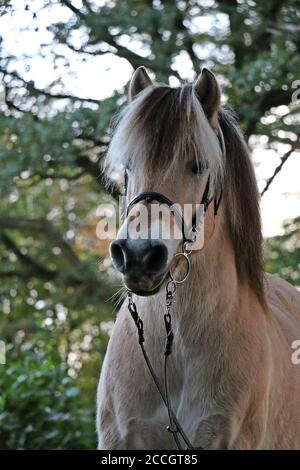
{"x": 284, "y": 303}
{"x": 128, "y": 406}
{"x": 115, "y": 367}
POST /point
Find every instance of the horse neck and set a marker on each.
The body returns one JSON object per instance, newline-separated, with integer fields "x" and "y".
{"x": 212, "y": 291}
{"x": 211, "y": 296}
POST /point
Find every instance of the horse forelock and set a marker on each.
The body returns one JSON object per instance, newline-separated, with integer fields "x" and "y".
{"x": 162, "y": 128}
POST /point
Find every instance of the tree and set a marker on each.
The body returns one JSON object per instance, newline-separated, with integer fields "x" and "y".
{"x": 52, "y": 144}
{"x": 283, "y": 253}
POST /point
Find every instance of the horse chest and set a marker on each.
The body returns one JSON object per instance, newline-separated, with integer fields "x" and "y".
{"x": 190, "y": 402}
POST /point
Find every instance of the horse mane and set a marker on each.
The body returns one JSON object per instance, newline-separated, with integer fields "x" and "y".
{"x": 242, "y": 205}
{"x": 162, "y": 125}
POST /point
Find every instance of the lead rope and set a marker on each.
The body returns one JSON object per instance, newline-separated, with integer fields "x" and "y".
{"x": 174, "y": 426}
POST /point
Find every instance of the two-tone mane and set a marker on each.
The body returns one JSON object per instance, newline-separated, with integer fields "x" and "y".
{"x": 163, "y": 126}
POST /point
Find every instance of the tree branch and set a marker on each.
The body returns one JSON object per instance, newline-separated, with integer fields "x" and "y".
{"x": 283, "y": 160}
{"x": 20, "y": 274}
{"x": 104, "y": 35}
{"x": 45, "y": 227}
{"x": 35, "y": 268}
{"x": 30, "y": 87}
{"x": 94, "y": 170}
{"x": 86, "y": 4}
{"x": 73, "y": 9}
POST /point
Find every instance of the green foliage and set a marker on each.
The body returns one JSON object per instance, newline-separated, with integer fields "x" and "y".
{"x": 283, "y": 253}
{"x": 41, "y": 406}
{"x": 54, "y": 354}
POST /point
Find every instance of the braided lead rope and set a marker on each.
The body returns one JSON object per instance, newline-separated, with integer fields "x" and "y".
{"x": 174, "y": 427}
{"x": 168, "y": 350}
{"x": 139, "y": 324}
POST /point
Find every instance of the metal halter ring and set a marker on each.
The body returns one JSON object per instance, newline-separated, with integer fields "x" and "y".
{"x": 187, "y": 251}
{"x": 171, "y": 287}
{"x": 188, "y": 265}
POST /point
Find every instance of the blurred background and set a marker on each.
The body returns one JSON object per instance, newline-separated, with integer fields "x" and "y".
{"x": 64, "y": 68}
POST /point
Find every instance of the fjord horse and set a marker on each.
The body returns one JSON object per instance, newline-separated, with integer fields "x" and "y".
{"x": 232, "y": 382}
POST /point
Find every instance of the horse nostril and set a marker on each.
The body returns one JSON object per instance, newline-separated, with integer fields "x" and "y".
{"x": 137, "y": 257}
{"x": 117, "y": 256}
{"x": 156, "y": 258}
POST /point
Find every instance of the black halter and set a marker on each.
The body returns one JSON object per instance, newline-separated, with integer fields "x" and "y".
{"x": 150, "y": 196}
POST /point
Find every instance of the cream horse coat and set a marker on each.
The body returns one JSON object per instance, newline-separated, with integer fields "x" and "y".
{"x": 233, "y": 383}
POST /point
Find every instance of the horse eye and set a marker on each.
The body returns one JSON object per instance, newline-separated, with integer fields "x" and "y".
{"x": 195, "y": 168}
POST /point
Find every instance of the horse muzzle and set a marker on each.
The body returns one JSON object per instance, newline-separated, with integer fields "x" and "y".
{"x": 143, "y": 264}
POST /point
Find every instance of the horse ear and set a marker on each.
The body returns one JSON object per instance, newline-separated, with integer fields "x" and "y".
{"x": 140, "y": 80}
{"x": 208, "y": 91}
